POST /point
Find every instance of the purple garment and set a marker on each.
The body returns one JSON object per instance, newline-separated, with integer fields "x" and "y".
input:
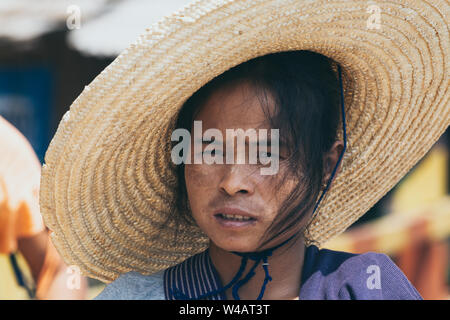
{"x": 336, "y": 275}
{"x": 326, "y": 275}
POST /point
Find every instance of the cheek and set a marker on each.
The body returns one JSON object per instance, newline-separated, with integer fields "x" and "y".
{"x": 199, "y": 184}
{"x": 275, "y": 193}
{"x": 196, "y": 177}
{"x": 285, "y": 189}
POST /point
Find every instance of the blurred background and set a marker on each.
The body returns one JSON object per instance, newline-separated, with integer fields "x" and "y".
{"x": 50, "y": 50}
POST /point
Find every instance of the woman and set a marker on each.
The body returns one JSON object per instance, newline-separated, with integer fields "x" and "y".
{"x": 124, "y": 208}
{"x": 299, "y": 82}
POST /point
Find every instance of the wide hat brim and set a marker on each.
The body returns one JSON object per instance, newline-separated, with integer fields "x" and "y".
{"x": 108, "y": 181}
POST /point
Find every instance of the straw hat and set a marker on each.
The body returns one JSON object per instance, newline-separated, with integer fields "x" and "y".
{"x": 108, "y": 180}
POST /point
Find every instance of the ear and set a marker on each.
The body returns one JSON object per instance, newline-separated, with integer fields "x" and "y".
{"x": 330, "y": 160}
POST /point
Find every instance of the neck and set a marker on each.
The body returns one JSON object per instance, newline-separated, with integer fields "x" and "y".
{"x": 285, "y": 267}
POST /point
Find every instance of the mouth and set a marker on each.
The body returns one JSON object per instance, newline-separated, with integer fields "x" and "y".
{"x": 234, "y": 218}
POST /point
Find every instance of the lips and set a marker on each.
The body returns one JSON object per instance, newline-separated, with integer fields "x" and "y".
{"x": 234, "y": 218}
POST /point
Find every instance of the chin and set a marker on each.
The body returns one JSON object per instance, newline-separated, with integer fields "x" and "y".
{"x": 237, "y": 246}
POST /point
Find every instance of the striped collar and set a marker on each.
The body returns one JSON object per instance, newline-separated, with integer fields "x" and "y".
{"x": 193, "y": 278}
{"x": 197, "y": 276}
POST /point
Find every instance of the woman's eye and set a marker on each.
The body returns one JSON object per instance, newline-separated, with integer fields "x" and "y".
{"x": 267, "y": 154}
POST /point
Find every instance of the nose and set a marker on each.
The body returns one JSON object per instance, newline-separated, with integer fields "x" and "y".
{"x": 237, "y": 179}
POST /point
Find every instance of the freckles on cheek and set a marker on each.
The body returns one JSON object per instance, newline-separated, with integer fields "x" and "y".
{"x": 194, "y": 171}
{"x": 275, "y": 190}
{"x": 200, "y": 188}
{"x": 196, "y": 177}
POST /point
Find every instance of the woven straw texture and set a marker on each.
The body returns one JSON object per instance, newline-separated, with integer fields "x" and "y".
{"x": 108, "y": 179}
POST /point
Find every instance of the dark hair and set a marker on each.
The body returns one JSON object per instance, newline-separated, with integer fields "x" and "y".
{"x": 306, "y": 92}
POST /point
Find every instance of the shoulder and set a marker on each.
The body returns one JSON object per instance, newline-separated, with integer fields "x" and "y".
{"x": 135, "y": 286}
{"x": 375, "y": 276}
{"x": 371, "y": 275}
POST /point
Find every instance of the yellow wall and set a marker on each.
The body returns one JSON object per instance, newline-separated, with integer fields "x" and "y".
{"x": 8, "y": 286}
{"x": 426, "y": 184}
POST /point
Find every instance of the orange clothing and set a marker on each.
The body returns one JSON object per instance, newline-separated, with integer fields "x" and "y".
{"x": 19, "y": 188}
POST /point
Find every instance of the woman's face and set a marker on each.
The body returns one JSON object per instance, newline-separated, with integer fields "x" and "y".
{"x": 212, "y": 188}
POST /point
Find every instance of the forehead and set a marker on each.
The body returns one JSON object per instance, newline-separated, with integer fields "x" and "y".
{"x": 236, "y": 105}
